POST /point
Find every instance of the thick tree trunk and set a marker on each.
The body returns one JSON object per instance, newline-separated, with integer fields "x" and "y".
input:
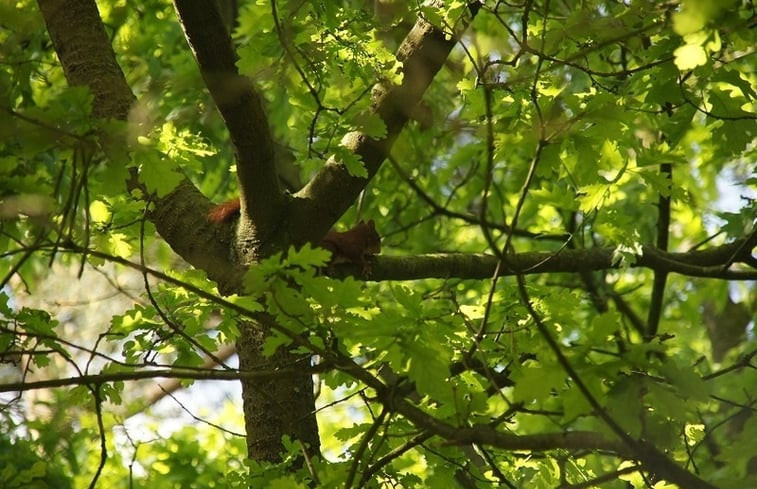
{"x": 279, "y": 406}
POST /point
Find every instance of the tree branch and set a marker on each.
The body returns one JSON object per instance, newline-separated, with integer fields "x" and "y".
{"x": 88, "y": 59}
{"x": 86, "y": 55}
{"x": 660, "y": 276}
{"x": 652, "y": 459}
{"x": 707, "y": 263}
{"x": 487, "y": 435}
{"x": 241, "y": 107}
{"x": 176, "y": 373}
{"x": 332, "y": 190}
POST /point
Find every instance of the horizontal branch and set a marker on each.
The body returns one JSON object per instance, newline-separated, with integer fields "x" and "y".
{"x": 481, "y": 434}
{"x": 569, "y": 440}
{"x": 485, "y": 434}
{"x": 177, "y": 373}
{"x": 713, "y": 263}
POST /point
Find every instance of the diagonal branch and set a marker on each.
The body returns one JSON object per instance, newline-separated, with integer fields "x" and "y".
{"x": 241, "y": 107}
{"x": 86, "y": 55}
{"x": 652, "y": 459}
{"x": 332, "y": 190}
{"x": 87, "y": 58}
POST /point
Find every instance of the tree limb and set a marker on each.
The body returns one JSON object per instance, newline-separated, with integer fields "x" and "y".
{"x": 707, "y": 263}
{"x": 653, "y": 460}
{"x": 174, "y": 373}
{"x": 87, "y": 58}
{"x": 332, "y": 190}
{"x": 241, "y": 107}
{"x": 660, "y": 276}
{"x": 86, "y": 55}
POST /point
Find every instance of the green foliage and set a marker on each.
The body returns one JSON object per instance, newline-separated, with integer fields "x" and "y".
{"x": 22, "y": 467}
{"x": 560, "y": 113}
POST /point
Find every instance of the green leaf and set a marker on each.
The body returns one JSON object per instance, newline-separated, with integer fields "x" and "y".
{"x": 536, "y": 383}
{"x": 574, "y": 404}
{"x": 429, "y": 369}
{"x": 99, "y": 212}
{"x": 625, "y": 254}
{"x": 307, "y": 257}
{"x": 625, "y": 405}
{"x": 592, "y": 196}
{"x": 158, "y": 172}
{"x": 605, "y": 325}
{"x": 689, "y": 56}
{"x": 656, "y": 180}
{"x": 351, "y": 161}
{"x": 734, "y": 78}
{"x": 273, "y": 342}
{"x": 611, "y": 159}
{"x": 466, "y": 85}
{"x": 369, "y": 124}
{"x": 725, "y": 105}
{"x": 688, "y": 384}
{"x": 119, "y": 245}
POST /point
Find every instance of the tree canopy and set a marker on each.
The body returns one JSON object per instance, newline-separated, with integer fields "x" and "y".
{"x": 563, "y": 296}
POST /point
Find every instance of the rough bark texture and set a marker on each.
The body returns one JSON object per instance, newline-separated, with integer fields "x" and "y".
{"x": 86, "y": 55}
{"x": 181, "y": 220}
{"x": 241, "y": 107}
{"x": 88, "y": 59}
{"x": 284, "y": 405}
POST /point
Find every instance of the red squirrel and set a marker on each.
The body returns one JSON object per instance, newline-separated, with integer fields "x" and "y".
{"x": 355, "y": 245}
{"x": 225, "y": 211}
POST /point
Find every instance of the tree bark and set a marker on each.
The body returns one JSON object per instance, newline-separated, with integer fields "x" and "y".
{"x": 86, "y": 55}
{"x": 278, "y": 406}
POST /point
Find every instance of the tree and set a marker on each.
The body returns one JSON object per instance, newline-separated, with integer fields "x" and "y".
{"x": 564, "y": 293}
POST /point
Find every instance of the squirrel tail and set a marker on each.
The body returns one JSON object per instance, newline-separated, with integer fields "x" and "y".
{"x": 225, "y": 211}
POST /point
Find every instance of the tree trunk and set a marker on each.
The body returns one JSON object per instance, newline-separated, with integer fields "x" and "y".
{"x": 279, "y": 405}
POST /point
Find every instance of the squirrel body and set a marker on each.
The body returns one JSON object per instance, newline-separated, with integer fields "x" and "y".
{"x": 355, "y": 245}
